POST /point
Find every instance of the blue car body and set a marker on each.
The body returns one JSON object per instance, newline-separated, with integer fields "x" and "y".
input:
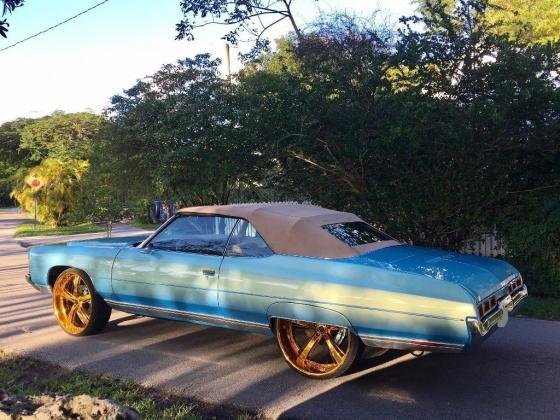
{"x": 399, "y": 296}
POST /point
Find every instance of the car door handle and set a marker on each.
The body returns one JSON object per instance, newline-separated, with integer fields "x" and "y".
{"x": 208, "y": 271}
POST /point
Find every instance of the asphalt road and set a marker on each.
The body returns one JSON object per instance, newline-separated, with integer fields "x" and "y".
{"x": 515, "y": 374}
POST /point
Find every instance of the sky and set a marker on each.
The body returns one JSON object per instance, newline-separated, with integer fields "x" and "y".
{"x": 81, "y": 64}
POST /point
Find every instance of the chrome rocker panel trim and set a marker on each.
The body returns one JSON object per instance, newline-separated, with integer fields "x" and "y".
{"x": 39, "y": 288}
{"x": 193, "y": 317}
{"x": 408, "y": 344}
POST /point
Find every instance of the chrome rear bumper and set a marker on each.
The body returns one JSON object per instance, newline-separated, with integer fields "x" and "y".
{"x": 483, "y": 327}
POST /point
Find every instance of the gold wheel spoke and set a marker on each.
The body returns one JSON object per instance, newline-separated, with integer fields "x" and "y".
{"x": 336, "y": 353}
{"x": 84, "y": 298}
{"x": 302, "y": 324}
{"x": 302, "y": 357}
{"x": 82, "y": 315}
{"x": 68, "y": 296}
{"x": 76, "y": 283}
{"x": 72, "y": 313}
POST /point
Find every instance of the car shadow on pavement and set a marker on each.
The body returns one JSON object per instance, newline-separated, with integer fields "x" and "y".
{"x": 513, "y": 374}
{"x": 501, "y": 379}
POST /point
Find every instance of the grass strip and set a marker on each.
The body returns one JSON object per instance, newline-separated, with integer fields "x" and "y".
{"x": 541, "y": 308}
{"x": 23, "y": 376}
{"x": 147, "y": 226}
{"x": 30, "y": 229}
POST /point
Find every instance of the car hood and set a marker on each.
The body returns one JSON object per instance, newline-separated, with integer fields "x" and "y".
{"x": 478, "y": 275}
{"x": 119, "y": 242}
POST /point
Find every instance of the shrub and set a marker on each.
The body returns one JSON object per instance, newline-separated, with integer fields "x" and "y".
{"x": 57, "y": 195}
{"x": 533, "y": 245}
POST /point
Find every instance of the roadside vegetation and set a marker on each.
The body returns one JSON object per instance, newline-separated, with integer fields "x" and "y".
{"x": 22, "y": 376}
{"x": 145, "y": 225}
{"x": 541, "y": 308}
{"x": 438, "y": 131}
{"x": 32, "y": 229}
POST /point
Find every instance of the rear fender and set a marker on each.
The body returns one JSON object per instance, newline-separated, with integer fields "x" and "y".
{"x": 309, "y": 313}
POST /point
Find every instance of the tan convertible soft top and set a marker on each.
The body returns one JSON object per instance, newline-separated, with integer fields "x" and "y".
{"x": 295, "y": 229}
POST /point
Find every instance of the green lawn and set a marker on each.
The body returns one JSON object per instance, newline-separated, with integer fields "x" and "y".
{"x": 22, "y": 376}
{"x": 541, "y": 308}
{"x": 27, "y": 229}
{"x": 147, "y": 226}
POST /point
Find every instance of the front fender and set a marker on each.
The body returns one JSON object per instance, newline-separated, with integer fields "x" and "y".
{"x": 309, "y": 313}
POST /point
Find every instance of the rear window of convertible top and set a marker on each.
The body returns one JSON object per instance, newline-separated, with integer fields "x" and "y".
{"x": 356, "y": 233}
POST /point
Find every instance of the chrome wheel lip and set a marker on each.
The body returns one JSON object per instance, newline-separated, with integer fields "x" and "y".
{"x": 72, "y": 303}
{"x": 292, "y": 361}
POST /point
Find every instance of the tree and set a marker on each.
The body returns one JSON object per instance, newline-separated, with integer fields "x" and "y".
{"x": 252, "y": 18}
{"x": 11, "y": 157}
{"x": 522, "y": 21}
{"x": 8, "y": 7}
{"x": 62, "y": 136}
{"x": 528, "y": 21}
{"x": 436, "y": 163}
{"x": 179, "y": 130}
{"x": 56, "y": 198}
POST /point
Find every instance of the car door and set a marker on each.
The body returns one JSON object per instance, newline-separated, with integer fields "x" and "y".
{"x": 177, "y": 269}
{"x": 244, "y": 289}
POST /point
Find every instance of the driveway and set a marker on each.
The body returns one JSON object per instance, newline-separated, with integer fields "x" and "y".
{"x": 515, "y": 374}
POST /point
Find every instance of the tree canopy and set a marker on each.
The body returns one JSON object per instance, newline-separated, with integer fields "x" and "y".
{"x": 438, "y": 133}
{"x": 249, "y": 19}
{"x": 8, "y": 6}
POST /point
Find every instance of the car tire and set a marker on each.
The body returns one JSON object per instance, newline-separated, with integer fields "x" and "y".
{"x": 317, "y": 351}
{"x": 77, "y": 307}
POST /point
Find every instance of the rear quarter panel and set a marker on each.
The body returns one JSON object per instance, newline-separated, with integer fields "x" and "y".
{"x": 95, "y": 261}
{"x": 376, "y": 302}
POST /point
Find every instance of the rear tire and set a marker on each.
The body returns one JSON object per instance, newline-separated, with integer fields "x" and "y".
{"x": 78, "y": 309}
{"x": 317, "y": 351}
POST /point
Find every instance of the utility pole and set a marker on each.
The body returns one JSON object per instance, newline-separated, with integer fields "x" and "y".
{"x": 228, "y": 63}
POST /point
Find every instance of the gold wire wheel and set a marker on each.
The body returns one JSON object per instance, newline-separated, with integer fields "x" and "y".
{"x": 72, "y": 302}
{"x": 315, "y": 350}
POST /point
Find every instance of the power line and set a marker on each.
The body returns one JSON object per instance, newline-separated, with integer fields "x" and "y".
{"x": 54, "y": 26}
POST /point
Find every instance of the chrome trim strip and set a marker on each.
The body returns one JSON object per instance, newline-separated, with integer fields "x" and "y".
{"x": 483, "y": 327}
{"x": 156, "y": 232}
{"x": 410, "y": 344}
{"x": 325, "y": 303}
{"x": 191, "y": 316}
{"x": 38, "y": 287}
{"x": 503, "y": 287}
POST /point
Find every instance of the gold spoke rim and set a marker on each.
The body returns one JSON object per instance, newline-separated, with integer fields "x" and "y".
{"x": 72, "y": 302}
{"x": 313, "y": 349}
{"x": 336, "y": 352}
{"x": 304, "y": 354}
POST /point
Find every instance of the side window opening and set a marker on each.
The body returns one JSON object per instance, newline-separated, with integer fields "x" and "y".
{"x": 195, "y": 234}
{"x": 245, "y": 241}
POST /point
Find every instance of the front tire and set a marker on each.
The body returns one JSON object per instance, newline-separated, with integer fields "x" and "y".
{"x": 78, "y": 309}
{"x": 317, "y": 351}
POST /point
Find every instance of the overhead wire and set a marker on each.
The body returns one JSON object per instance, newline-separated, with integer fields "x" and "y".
{"x": 54, "y": 26}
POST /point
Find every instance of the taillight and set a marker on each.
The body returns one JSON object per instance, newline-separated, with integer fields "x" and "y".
{"x": 515, "y": 284}
{"x": 487, "y": 306}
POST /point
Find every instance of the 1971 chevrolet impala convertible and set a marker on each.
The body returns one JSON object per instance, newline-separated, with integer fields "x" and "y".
{"x": 324, "y": 283}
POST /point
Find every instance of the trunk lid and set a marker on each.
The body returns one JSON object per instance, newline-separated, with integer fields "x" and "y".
{"x": 480, "y": 276}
